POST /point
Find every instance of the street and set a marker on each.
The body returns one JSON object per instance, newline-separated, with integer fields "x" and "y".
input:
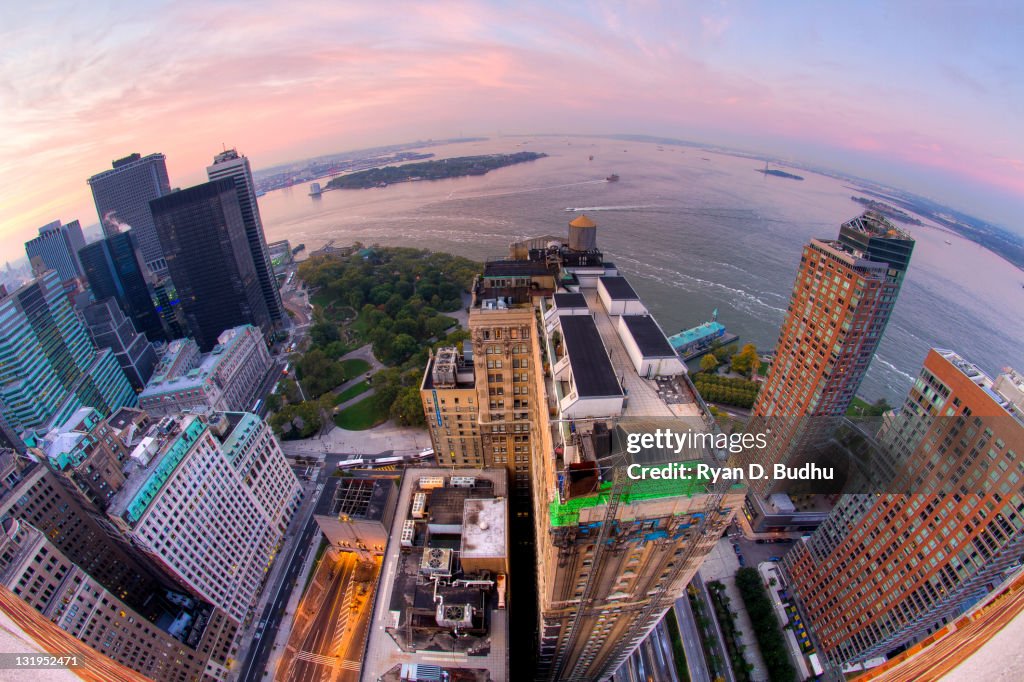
{"x": 253, "y": 667}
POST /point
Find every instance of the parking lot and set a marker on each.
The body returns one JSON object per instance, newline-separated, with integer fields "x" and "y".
{"x": 756, "y": 551}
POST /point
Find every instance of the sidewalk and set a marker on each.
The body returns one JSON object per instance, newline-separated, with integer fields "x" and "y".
{"x": 721, "y": 565}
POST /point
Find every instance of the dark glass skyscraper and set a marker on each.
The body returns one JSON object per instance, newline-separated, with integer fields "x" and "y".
{"x": 122, "y": 195}
{"x": 230, "y": 164}
{"x": 114, "y": 270}
{"x": 202, "y": 234}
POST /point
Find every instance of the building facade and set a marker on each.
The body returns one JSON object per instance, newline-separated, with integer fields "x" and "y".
{"x": 109, "y": 328}
{"x": 228, "y": 378}
{"x": 57, "y": 247}
{"x": 193, "y": 644}
{"x": 122, "y": 195}
{"x": 886, "y": 570}
{"x": 449, "y": 396}
{"x": 48, "y": 365}
{"x": 204, "y": 495}
{"x": 230, "y": 164}
{"x": 564, "y": 354}
{"x": 842, "y": 300}
{"x": 114, "y": 269}
{"x": 203, "y": 236}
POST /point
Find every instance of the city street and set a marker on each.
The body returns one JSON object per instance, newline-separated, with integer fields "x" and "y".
{"x": 251, "y": 669}
{"x": 331, "y": 622}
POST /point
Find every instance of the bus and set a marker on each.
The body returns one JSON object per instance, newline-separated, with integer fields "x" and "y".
{"x": 257, "y": 406}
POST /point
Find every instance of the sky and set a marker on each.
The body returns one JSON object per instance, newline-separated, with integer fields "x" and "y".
{"x": 925, "y": 96}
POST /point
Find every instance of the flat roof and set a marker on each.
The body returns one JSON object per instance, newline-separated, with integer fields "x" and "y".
{"x": 618, "y": 288}
{"x": 648, "y": 336}
{"x": 515, "y": 268}
{"x": 483, "y": 528}
{"x": 570, "y": 301}
{"x": 591, "y": 368}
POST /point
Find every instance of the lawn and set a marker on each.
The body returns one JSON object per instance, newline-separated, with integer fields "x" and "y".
{"x": 354, "y": 367}
{"x": 352, "y": 392}
{"x": 363, "y": 415}
{"x": 857, "y": 407}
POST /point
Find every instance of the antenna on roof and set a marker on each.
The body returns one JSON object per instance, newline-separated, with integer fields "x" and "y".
{"x": 223, "y": 147}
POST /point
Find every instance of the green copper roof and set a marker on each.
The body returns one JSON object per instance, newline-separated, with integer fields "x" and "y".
{"x": 168, "y": 463}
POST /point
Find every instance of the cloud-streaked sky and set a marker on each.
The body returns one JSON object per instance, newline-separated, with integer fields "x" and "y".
{"x": 928, "y": 96}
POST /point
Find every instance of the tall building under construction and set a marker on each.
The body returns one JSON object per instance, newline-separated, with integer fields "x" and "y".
{"x": 566, "y": 360}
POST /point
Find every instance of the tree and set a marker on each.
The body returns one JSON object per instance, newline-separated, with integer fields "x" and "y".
{"x": 744, "y": 361}
{"x": 407, "y": 409}
{"x": 323, "y": 333}
{"x": 708, "y": 363}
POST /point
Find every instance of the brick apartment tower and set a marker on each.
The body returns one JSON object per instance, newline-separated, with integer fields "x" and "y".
{"x": 886, "y": 570}
{"x": 842, "y": 299}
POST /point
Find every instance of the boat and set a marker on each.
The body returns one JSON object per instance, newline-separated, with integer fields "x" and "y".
{"x": 949, "y": 242}
{"x": 570, "y": 209}
{"x": 612, "y": 178}
{"x": 591, "y": 158}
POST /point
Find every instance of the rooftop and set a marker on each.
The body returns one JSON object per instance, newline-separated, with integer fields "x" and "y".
{"x": 619, "y": 288}
{"x": 648, "y": 336}
{"x": 571, "y": 300}
{"x": 169, "y": 378}
{"x": 592, "y": 370}
{"x": 360, "y": 498}
{"x": 701, "y": 331}
{"x": 166, "y": 445}
{"x": 483, "y": 528}
{"x": 515, "y": 268}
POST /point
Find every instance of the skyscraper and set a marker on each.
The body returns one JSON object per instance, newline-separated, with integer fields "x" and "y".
{"x": 202, "y": 234}
{"x": 58, "y": 245}
{"x": 843, "y": 297}
{"x": 229, "y": 164}
{"x": 114, "y": 269}
{"x": 566, "y": 360}
{"x": 175, "y": 645}
{"x": 48, "y": 366}
{"x": 223, "y": 488}
{"x": 122, "y": 195}
{"x": 887, "y": 569}
{"x": 109, "y": 328}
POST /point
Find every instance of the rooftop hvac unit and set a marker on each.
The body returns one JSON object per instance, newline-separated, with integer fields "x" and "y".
{"x": 408, "y": 533}
{"x": 454, "y": 615}
{"x": 431, "y": 482}
{"x": 419, "y": 505}
{"x": 436, "y": 561}
{"x": 463, "y": 481}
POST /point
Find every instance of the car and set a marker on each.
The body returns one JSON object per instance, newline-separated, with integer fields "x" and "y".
{"x": 787, "y": 541}
{"x": 775, "y": 558}
{"x": 736, "y": 548}
{"x": 743, "y": 562}
{"x": 760, "y": 541}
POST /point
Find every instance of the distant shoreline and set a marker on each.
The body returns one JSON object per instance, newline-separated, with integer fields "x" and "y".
{"x": 778, "y": 173}
{"x": 440, "y": 169}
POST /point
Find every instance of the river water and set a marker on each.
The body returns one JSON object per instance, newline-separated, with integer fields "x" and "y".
{"x": 693, "y": 230}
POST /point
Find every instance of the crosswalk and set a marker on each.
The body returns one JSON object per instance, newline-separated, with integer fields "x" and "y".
{"x": 341, "y": 624}
{"x": 331, "y": 661}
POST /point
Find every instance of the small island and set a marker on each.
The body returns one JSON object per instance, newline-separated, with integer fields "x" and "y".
{"x": 887, "y": 210}
{"x": 778, "y": 173}
{"x": 430, "y": 170}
